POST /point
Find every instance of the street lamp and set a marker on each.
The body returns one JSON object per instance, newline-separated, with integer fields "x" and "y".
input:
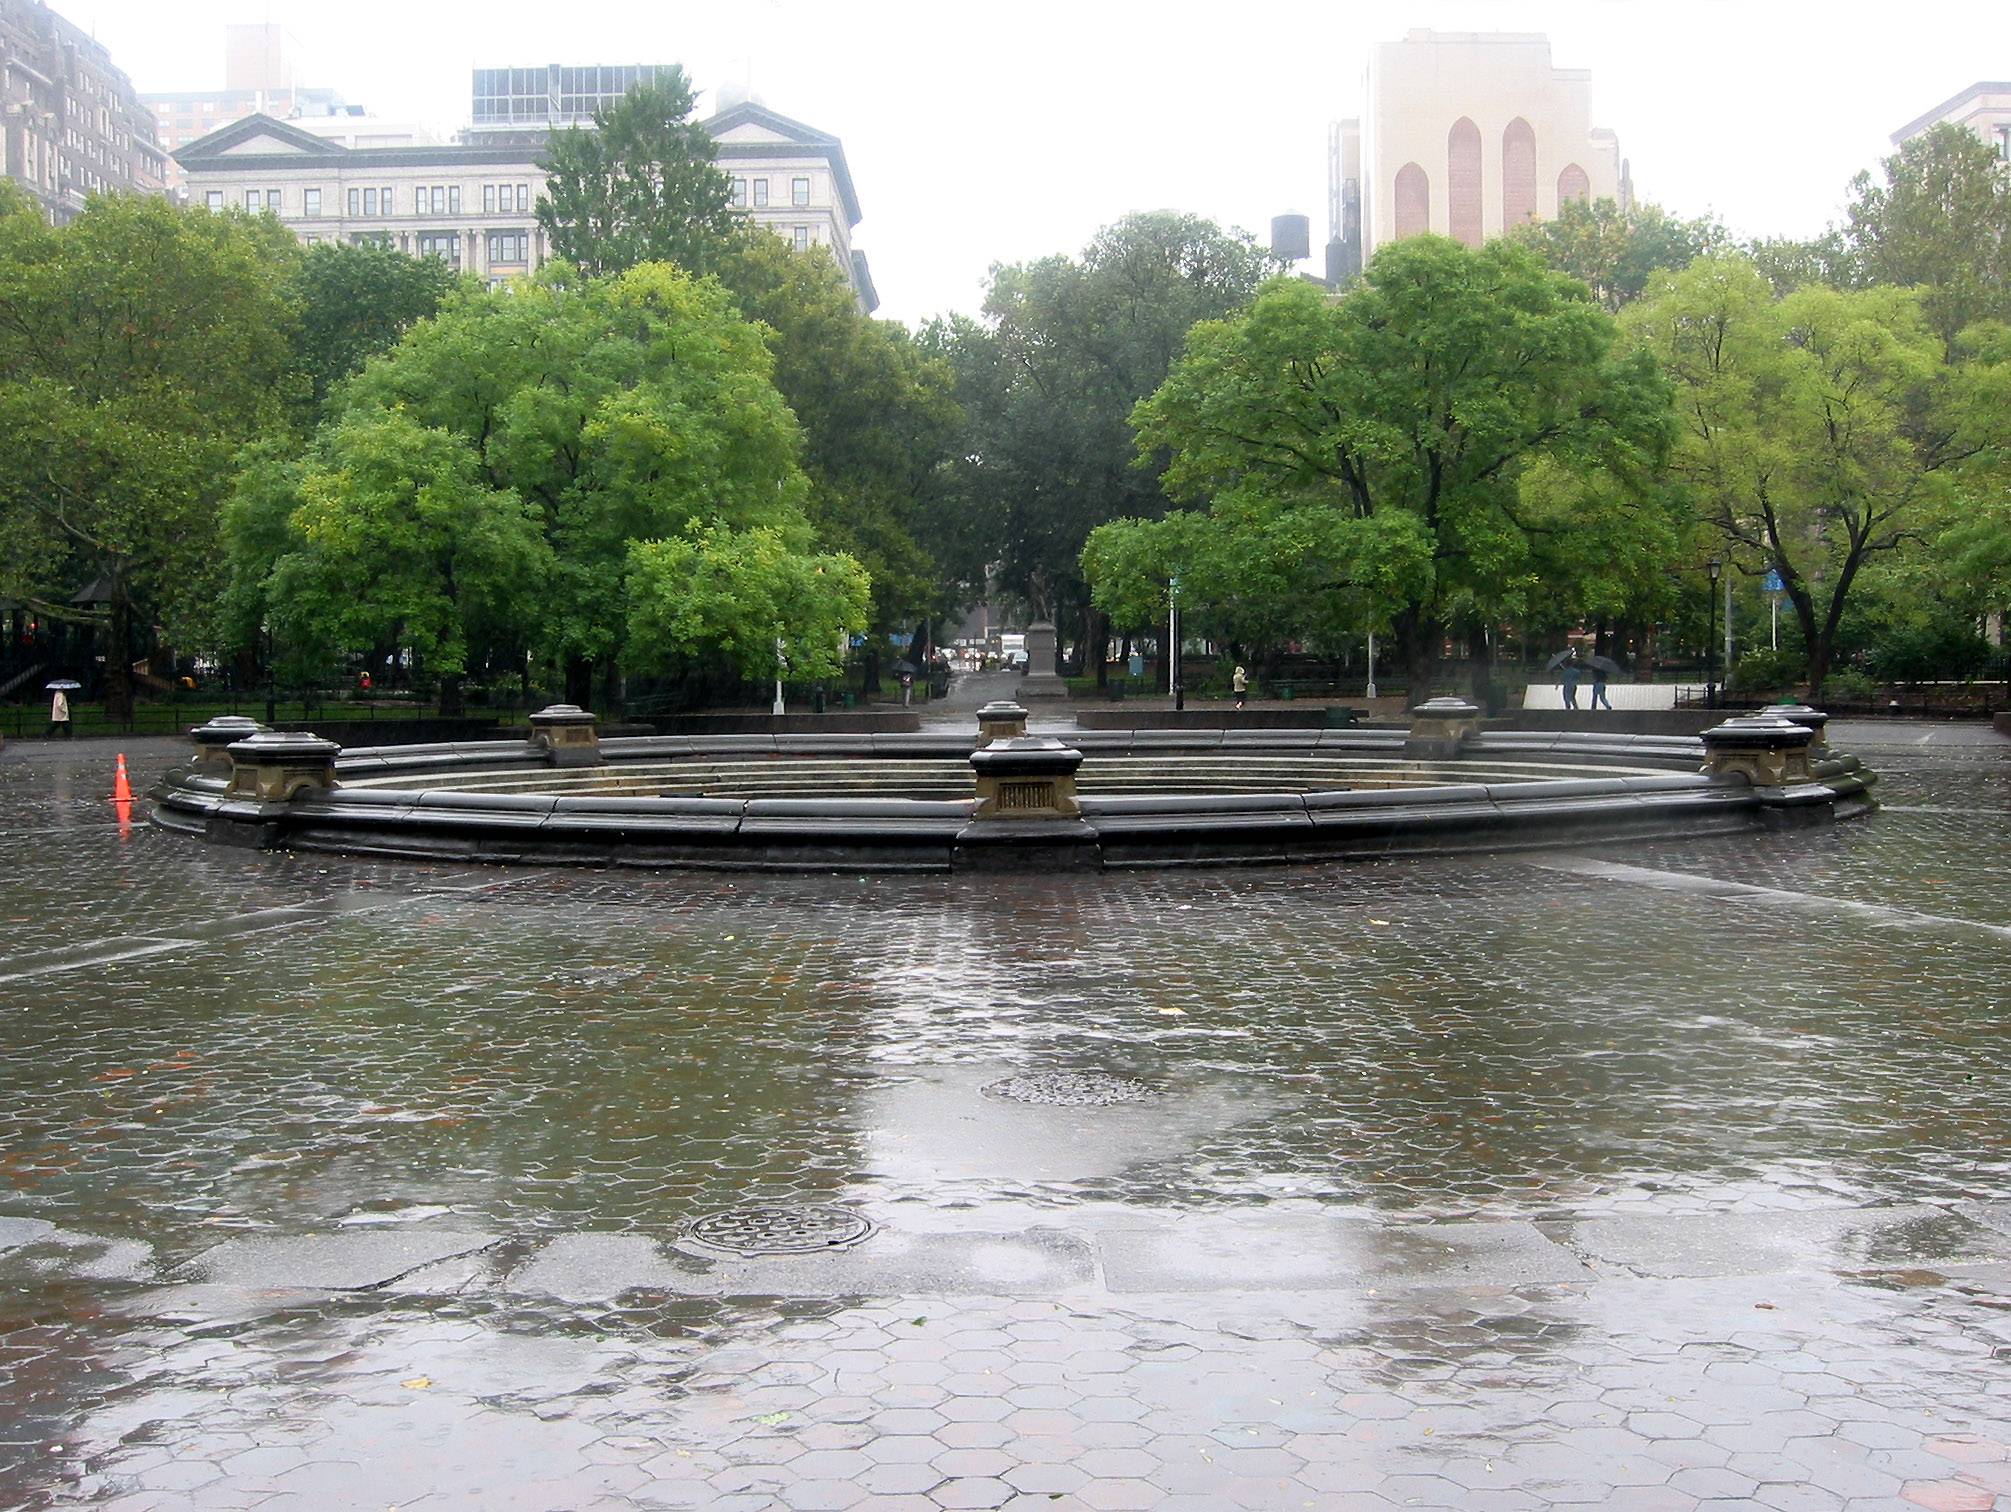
{"x": 1173, "y": 634}
{"x": 1713, "y": 567}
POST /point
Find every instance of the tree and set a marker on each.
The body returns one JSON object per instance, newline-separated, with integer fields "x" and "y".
{"x": 1049, "y": 380}
{"x": 140, "y": 346}
{"x": 744, "y": 597}
{"x": 632, "y": 408}
{"x": 354, "y": 301}
{"x": 879, "y": 421}
{"x": 1940, "y": 223}
{"x": 1615, "y": 251}
{"x": 398, "y": 540}
{"x": 1404, "y": 417}
{"x": 1816, "y": 431}
{"x": 640, "y": 187}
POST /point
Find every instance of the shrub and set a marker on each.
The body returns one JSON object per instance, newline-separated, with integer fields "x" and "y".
{"x": 1766, "y": 672}
{"x": 1849, "y": 686}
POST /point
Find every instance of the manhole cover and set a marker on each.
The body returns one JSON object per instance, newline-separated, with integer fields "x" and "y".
{"x": 1070, "y": 1089}
{"x": 780, "y": 1229}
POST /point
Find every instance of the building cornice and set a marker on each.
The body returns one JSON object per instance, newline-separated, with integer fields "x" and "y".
{"x": 1921, "y": 123}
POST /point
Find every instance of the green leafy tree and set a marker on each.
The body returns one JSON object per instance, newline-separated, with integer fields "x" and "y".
{"x": 1940, "y": 222}
{"x": 1406, "y": 414}
{"x": 1816, "y": 432}
{"x": 355, "y": 301}
{"x": 639, "y": 187}
{"x": 1048, "y": 382}
{"x": 398, "y": 539}
{"x": 742, "y": 598}
{"x": 632, "y": 408}
{"x": 1615, "y": 251}
{"x": 879, "y": 419}
{"x": 140, "y": 346}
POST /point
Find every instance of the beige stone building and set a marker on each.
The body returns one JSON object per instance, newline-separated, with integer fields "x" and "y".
{"x": 473, "y": 203}
{"x": 1983, "y": 108}
{"x": 70, "y": 124}
{"x": 1466, "y": 134}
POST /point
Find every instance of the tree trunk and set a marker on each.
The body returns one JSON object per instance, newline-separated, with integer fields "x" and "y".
{"x": 1486, "y": 697}
{"x": 1419, "y": 638}
{"x": 1098, "y": 637}
{"x": 119, "y": 657}
{"x": 611, "y": 700}
{"x": 579, "y": 681}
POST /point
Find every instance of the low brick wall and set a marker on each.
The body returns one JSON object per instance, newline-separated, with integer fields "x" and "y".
{"x": 837, "y": 722}
{"x": 382, "y": 732}
{"x": 1613, "y": 721}
{"x": 1216, "y": 717}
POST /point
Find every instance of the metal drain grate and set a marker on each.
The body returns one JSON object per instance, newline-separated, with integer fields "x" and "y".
{"x": 1070, "y": 1089}
{"x": 773, "y": 1228}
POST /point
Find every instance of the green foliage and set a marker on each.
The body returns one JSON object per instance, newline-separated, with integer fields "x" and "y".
{"x": 640, "y": 187}
{"x": 1848, "y": 685}
{"x": 1788, "y": 264}
{"x": 511, "y": 451}
{"x": 1817, "y": 431}
{"x": 1942, "y": 648}
{"x": 140, "y": 346}
{"x": 356, "y": 301}
{"x": 734, "y": 595}
{"x": 879, "y": 420}
{"x": 1615, "y": 252}
{"x": 1766, "y": 671}
{"x": 1939, "y": 222}
{"x": 1049, "y": 380}
{"x": 1390, "y": 432}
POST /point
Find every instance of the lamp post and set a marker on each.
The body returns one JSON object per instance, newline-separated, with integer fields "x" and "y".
{"x": 1173, "y": 628}
{"x": 1713, "y": 567}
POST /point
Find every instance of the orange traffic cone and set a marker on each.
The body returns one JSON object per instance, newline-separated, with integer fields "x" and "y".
{"x": 122, "y": 787}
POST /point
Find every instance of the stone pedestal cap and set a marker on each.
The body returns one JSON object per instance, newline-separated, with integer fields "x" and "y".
{"x": 1001, "y": 719}
{"x": 1026, "y": 777}
{"x": 273, "y": 765}
{"x": 569, "y": 734}
{"x": 1768, "y": 750}
{"x": 1446, "y": 706}
{"x": 212, "y": 739}
{"x": 1440, "y": 726}
{"x": 1801, "y": 714}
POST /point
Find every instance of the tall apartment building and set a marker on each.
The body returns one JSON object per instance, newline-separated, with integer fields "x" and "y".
{"x": 1983, "y": 108}
{"x": 550, "y": 96}
{"x": 70, "y": 124}
{"x": 473, "y": 202}
{"x": 1466, "y": 134}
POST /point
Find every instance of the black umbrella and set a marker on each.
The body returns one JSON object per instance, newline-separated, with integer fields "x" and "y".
{"x": 62, "y": 684}
{"x": 905, "y": 666}
{"x": 1606, "y": 664}
{"x": 1569, "y": 653}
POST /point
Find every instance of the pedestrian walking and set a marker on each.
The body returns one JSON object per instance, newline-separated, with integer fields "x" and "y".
{"x": 59, "y": 714}
{"x": 907, "y": 688}
{"x": 1241, "y": 683}
{"x": 1570, "y": 683}
{"x": 1599, "y": 698}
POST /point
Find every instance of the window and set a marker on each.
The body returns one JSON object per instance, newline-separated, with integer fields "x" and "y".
{"x": 445, "y": 245}
{"x": 439, "y": 199}
{"x": 799, "y": 191}
{"x": 274, "y": 200}
{"x": 355, "y": 202}
{"x": 740, "y": 194}
{"x": 801, "y": 237}
{"x": 251, "y": 200}
{"x": 310, "y": 203}
{"x": 387, "y": 200}
{"x": 369, "y": 201}
{"x": 453, "y": 199}
{"x": 523, "y": 198}
{"x": 2004, "y": 143}
{"x": 509, "y": 247}
{"x": 214, "y": 199}
{"x": 760, "y": 193}
{"x": 488, "y": 199}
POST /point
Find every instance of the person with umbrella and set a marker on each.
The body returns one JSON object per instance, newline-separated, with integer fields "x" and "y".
{"x": 1599, "y": 666}
{"x": 1567, "y": 661}
{"x": 59, "y": 707}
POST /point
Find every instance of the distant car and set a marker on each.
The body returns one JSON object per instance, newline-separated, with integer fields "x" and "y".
{"x": 1015, "y": 661}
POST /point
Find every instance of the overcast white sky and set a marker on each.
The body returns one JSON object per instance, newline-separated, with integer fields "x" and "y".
{"x": 979, "y": 134}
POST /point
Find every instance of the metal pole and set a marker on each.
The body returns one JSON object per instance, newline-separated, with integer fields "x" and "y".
{"x": 1728, "y": 619}
{"x": 778, "y": 674}
{"x": 1711, "y": 658}
{"x": 1372, "y": 664}
{"x": 1777, "y": 621}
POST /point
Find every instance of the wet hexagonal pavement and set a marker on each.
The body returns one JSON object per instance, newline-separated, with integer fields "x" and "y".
{"x": 1639, "y": 1176}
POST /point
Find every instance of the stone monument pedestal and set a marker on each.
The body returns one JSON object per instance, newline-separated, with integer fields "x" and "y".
{"x": 1040, "y": 680}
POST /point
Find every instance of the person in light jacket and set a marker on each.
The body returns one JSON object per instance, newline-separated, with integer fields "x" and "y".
{"x": 1241, "y": 683}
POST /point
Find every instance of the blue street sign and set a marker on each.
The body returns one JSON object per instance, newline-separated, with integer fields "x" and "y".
{"x": 1773, "y": 580}
{"x": 901, "y": 640}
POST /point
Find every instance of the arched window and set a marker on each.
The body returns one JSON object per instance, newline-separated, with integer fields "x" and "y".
{"x": 1572, "y": 184}
{"x": 1462, "y": 181}
{"x": 1518, "y": 174}
{"x": 1413, "y": 200}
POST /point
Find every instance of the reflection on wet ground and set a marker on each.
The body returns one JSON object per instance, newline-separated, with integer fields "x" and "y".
{"x": 1642, "y": 1175}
